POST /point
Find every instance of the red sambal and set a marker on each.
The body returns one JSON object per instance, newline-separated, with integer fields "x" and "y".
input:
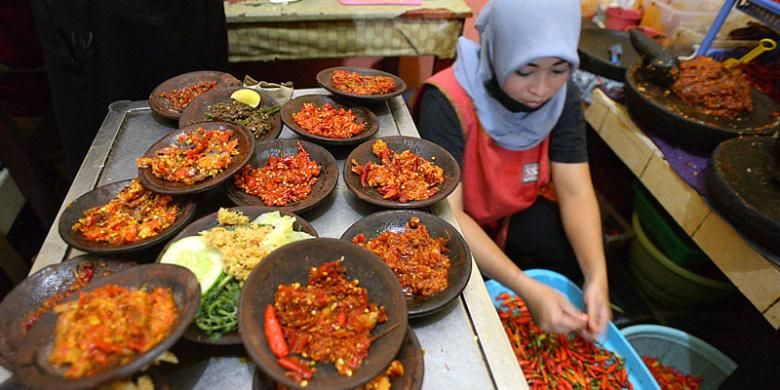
{"x": 196, "y": 156}
{"x": 327, "y": 121}
{"x": 402, "y": 177}
{"x": 135, "y": 214}
{"x": 82, "y": 275}
{"x": 109, "y": 327}
{"x": 359, "y": 84}
{"x": 417, "y": 259}
{"x": 182, "y": 97}
{"x": 330, "y": 319}
{"x": 283, "y": 180}
{"x": 707, "y": 85}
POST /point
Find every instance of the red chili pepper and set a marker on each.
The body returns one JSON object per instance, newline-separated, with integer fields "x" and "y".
{"x": 274, "y": 334}
{"x": 297, "y": 366}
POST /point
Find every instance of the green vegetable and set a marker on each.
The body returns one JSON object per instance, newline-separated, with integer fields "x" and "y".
{"x": 218, "y": 311}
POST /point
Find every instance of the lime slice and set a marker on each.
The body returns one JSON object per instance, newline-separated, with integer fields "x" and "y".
{"x": 246, "y": 96}
{"x": 193, "y": 253}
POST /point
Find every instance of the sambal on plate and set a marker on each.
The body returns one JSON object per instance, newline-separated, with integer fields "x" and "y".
{"x": 401, "y": 176}
{"x": 196, "y": 156}
{"x": 180, "y": 98}
{"x": 109, "y": 327}
{"x": 418, "y": 260}
{"x": 134, "y": 214}
{"x": 707, "y": 85}
{"x": 328, "y": 121}
{"x": 360, "y": 84}
{"x": 283, "y": 180}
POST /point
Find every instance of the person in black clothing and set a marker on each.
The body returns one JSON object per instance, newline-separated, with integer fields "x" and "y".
{"x": 97, "y": 52}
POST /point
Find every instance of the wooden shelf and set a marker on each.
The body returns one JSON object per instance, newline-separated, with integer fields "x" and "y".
{"x": 755, "y": 276}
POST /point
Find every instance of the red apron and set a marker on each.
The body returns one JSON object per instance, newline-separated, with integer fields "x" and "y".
{"x": 497, "y": 182}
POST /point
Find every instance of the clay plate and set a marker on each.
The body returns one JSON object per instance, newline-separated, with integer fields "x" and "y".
{"x": 163, "y": 107}
{"x": 411, "y": 356}
{"x": 425, "y": 149}
{"x": 28, "y": 296}
{"x": 325, "y": 184}
{"x": 459, "y": 254}
{"x": 102, "y": 195}
{"x": 324, "y": 79}
{"x": 246, "y": 146}
{"x": 31, "y": 363}
{"x": 196, "y": 111}
{"x": 210, "y": 221}
{"x": 291, "y": 263}
{"x": 362, "y": 114}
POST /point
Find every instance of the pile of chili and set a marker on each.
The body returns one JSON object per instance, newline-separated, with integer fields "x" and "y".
{"x": 82, "y": 275}
{"x": 110, "y": 326}
{"x": 328, "y": 320}
{"x": 196, "y": 156}
{"x": 669, "y": 378}
{"x": 283, "y": 180}
{"x": 182, "y": 97}
{"x": 403, "y": 177}
{"x": 327, "y": 121}
{"x": 418, "y": 260}
{"x": 558, "y": 361}
{"x": 256, "y": 120}
{"x": 359, "y": 84}
{"x": 135, "y": 214}
{"x": 705, "y": 84}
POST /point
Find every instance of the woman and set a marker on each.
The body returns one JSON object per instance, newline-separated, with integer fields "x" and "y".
{"x": 505, "y": 111}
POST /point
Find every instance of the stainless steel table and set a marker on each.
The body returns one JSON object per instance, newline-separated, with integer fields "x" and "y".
{"x": 464, "y": 344}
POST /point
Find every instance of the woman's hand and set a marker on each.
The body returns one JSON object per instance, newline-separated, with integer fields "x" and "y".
{"x": 596, "y": 297}
{"x": 552, "y": 312}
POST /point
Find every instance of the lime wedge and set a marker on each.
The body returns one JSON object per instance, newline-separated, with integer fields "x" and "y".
{"x": 194, "y": 254}
{"x": 246, "y": 96}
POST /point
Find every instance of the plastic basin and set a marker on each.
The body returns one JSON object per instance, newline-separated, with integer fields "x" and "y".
{"x": 638, "y": 374}
{"x": 682, "y": 351}
{"x": 666, "y": 282}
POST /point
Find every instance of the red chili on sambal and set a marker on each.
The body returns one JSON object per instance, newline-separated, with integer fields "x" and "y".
{"x": 182, "y": 97}
{"x": 360, "y": 84}
{"x": 283, "y": 180}
{"x": 328, "y": 320}
{"x": 707, "y": 85}
{"x": 135, "y": 214}
{"x": 418, "y": 260}
{"x": 327, "y": 121}
{"x": 401, "y": 176}
{"x": 110, "y": 326}
{"x": 196, "y": 156}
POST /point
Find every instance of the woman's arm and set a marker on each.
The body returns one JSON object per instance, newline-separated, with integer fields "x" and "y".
{"x": 582, "y": 223}
{"x": 551, "y": 311}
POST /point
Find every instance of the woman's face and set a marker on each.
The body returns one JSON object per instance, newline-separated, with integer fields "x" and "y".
{"x": 537, "y": 82}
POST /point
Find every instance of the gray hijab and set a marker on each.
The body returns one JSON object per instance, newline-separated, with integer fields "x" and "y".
{"x": 513, "y": 33}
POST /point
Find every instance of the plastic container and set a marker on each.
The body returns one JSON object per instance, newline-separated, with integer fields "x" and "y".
{"x": 664, "y": 232}
{"x": 682, "y": 351}
{"x": 638, "y": 374}
{"x": 667, "y": 282}
{"x": 682, "y": 13}
{"x": 622, "y": 18}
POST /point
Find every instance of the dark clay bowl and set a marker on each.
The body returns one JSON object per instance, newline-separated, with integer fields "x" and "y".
{"x": 291, "y": 263}
{"x": 459, "y": 254}
{"x": 31, "y": 362}
{"x": 411, "y": 355}
{"x": 163, "y": 107}
{"x": 210, "y": 221}
{"x": 324, "y": 79}
{"x": 31, "y": 293}
{"x": 246, "y": 146}
{"x": 362, "y": 115}
{"x": 196, "y": 111}
{"x": 102, "y": 195}
{"x": 325, "y": 184}
{"x": 425, "y": 149}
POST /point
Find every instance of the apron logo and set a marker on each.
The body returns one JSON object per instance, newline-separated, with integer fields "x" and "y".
{"x": 530, "y": 172}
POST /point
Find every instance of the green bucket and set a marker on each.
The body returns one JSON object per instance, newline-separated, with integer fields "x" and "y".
{"x": 665, "y": 281}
